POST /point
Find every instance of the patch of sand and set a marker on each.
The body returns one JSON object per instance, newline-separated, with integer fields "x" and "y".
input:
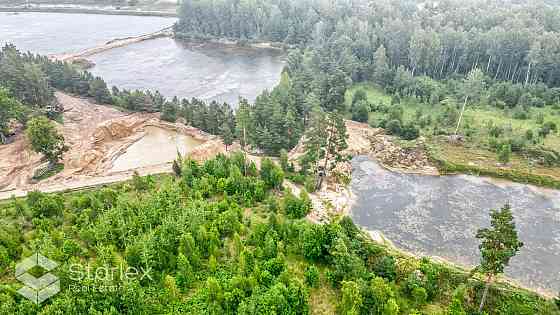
{"x": 97, "y": 135}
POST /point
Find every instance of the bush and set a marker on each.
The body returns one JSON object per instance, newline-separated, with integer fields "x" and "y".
{"x": 409, "y": 132}
{"x": 311, "y": 276}
{"x": 284, "y": 163}
{"x": 142, "y": 183}
{"x": 4, "y": 259}
{"x": 271, "y": 174}
{"x": 393, "y": 127}
{"x": 520, "y": 113}
{"x": 43, "y": 205}
{"x": 419, "y": 296}
{"x": 495, "y": 131}
{"x": 297, "y": 208}
{"x": 449, "y": 116}
{"x": 396, "y": 113}
{"x": 360, "y": 112}
{"x": 359, "y": 96}
{"x": 551, "y": 125}
{"x": 310, "y": 183}
{"x": 386, "y": 268}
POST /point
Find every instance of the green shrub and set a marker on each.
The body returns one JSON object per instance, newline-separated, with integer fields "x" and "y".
{"x": 386, "y": 268}
{"x": 310, "y": 183}
{"x": 4, "y": 259}
{"x": 360, "y": 112}
{"x": 297, "y": 208}
{"x": 393, "y": 127}
{"x": 419, "y": 296}
{"x": 311, "y": 276}
{"x": 409, "y": 132}
{"x": 520, "y": 113}
{"x": 43, "y": 205}
{"x": 504, "y": 154}
{"x": 271, "y": 174}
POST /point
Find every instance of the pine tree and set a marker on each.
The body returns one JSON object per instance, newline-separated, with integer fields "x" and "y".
{"x": 381, "y": 69}
{"x": 325, "y": 140}
{"x": 499, "y": 244}
{"x": 169, "y": 112}
{"x": 227, "y": 135}
{"x": 243, "y": 121}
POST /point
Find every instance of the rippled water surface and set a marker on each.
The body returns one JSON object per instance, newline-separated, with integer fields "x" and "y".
{"x": 176, "y": 68}
{"x": 439, "y": 216}
{"x": 158, "y": 146}
{"x": 55, "y": 33}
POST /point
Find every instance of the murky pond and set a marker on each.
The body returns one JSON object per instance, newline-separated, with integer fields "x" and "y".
{"x": 439, "y": 216}
{"x": 55, "y": 33}
{"x": 157, "y": 146}
{"x": 205, "y": 71}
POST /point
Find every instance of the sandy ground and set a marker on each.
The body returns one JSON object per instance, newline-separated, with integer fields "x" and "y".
{"x": 96, "y": 135}
{"x": 336, "y": 198}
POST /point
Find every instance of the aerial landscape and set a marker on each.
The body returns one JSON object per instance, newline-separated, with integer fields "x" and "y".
{"x": 280, "y": 157}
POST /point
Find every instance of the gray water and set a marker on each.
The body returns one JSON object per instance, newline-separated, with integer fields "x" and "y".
{"x": 55, "y": 33}
{"x": 205, "y": 71}
{"x": 439, "y": 216}
{"x": 175, "y": 68}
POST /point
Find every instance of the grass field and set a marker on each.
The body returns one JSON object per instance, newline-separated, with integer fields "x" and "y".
{"x": 475, "y": 152}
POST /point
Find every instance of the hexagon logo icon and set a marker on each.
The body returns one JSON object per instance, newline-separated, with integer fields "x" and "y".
{"x": 36, "y": 289}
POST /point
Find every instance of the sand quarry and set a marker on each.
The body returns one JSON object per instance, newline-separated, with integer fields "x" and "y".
{"x": 98, "y": 136}
{"x": 108, "y": 145}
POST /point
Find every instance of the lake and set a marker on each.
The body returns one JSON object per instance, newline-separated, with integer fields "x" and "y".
{"x": 56, "y": 33}
{"x": 205, "y": 71}
{"x": 175, "y": 68}
{"x": 439, "y": 216}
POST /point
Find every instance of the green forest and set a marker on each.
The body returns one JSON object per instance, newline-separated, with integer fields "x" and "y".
{"x": 411, "y": 68}
{"x": 223, "y": 237}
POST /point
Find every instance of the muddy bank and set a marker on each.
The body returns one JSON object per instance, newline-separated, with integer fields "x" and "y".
{"x": 276, "y": 46}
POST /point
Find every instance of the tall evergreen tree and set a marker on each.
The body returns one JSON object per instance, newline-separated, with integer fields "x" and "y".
{"x": 381, "y": 70}
{"x": 499, "y": 243}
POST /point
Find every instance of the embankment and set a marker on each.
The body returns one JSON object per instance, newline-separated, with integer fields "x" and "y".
{"x": 115, "y": 43}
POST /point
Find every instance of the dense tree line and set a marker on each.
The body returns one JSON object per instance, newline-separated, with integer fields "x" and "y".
{"x": 511, "y": 40}
{"x": 223, "y": 238}
{"x": 444, "y": 53}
